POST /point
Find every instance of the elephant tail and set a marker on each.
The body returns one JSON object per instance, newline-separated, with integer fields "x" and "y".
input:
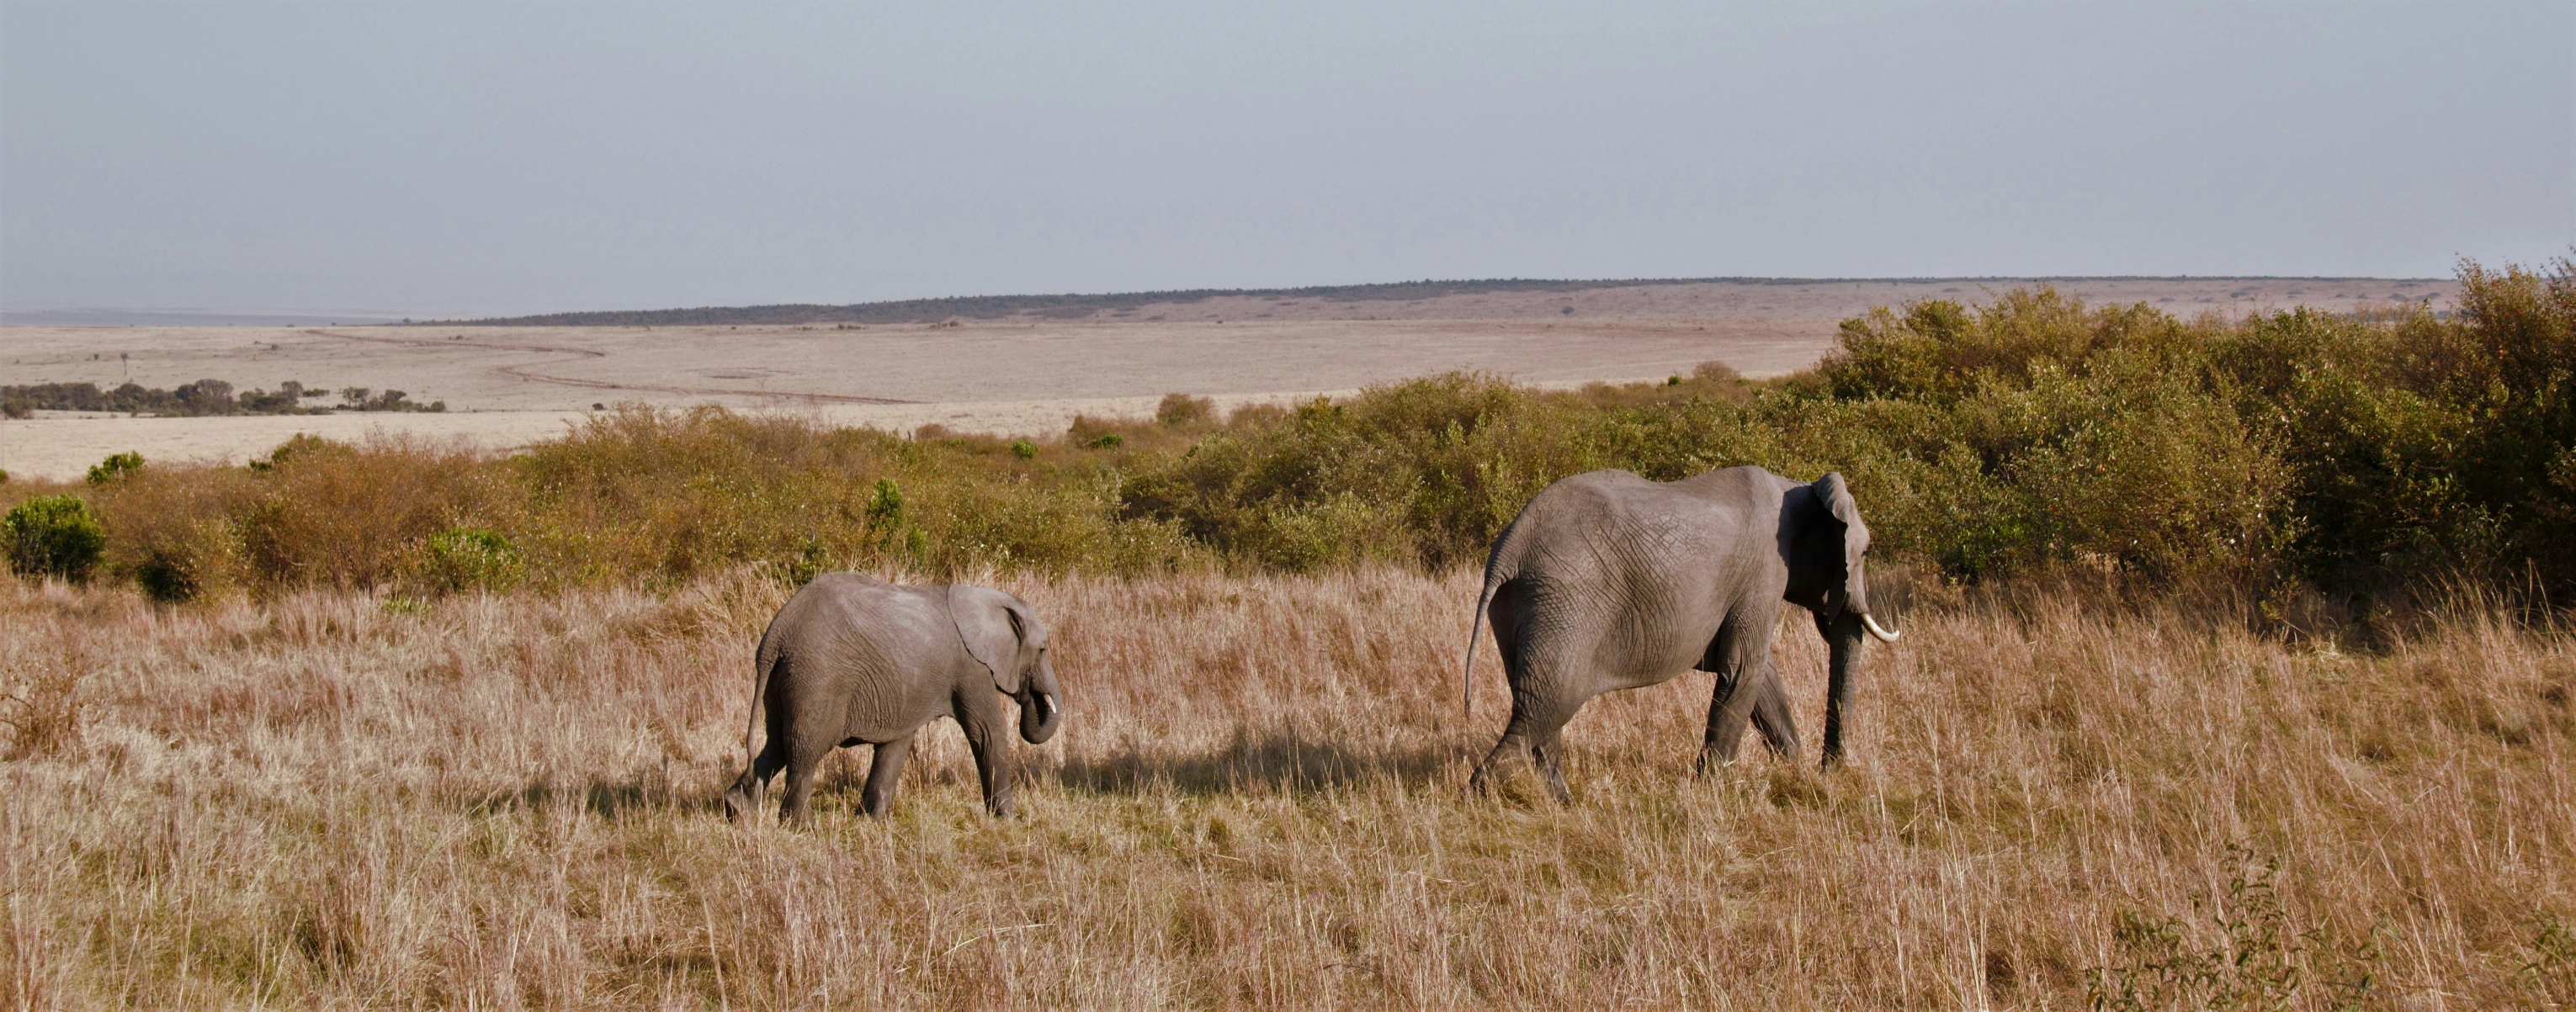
{"x": 762, "y": 664}
{"x": 1495, "y": 574}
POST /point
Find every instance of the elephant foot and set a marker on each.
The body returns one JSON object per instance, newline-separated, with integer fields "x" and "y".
{"x": 1521, "y": 785}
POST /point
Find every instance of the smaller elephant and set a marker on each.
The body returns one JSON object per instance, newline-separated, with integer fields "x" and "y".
{"x": 850, "y": 660}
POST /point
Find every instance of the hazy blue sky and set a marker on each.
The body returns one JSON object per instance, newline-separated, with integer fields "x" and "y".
{"x": 483, "y": 158}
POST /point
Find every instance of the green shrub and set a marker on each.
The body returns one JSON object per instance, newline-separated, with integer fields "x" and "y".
{"x": 1024, "y": 449}
{"x": 54, "y": 535}
{"x": 1110, "y": 441}
{"x": 468, "y": 559}
{"x": 885, "y": 505}
{"x": 114, "y": 467}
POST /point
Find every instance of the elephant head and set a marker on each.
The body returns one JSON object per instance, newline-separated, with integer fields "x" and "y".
{"x": 1825, "y": 544}
{"x": 1825, "y": 540}
{"x": 1003, "y": 635}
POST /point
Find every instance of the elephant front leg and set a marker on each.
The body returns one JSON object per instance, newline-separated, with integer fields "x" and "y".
{"x": 1771, "y": 715}
{"x": 1754, "y": 695}
{"x": 981, "y": 716}
{"x": 1728, "y": 707}
{"x": 884, "y": 770}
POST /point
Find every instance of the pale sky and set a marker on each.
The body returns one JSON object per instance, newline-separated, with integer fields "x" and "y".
{"x": 444, "y": 159}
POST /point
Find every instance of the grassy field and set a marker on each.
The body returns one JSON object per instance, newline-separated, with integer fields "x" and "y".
{"x": 323, "y": 799}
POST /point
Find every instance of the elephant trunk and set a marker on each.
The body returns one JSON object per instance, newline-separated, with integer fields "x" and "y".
{"x": 1041, "y": 704}
{"x": 1843, "y": 636}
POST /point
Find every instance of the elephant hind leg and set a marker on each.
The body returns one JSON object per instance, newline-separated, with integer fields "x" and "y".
{"x": 801, "y": 764}
{"x": 1545, "y": 667}
{"x": 743, "y": 798}
{"x": 1536, "y": 737}
{"x": 1549, "y": 750}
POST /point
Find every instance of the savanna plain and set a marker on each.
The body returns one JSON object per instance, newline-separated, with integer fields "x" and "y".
{"x": 2176, "y": 721}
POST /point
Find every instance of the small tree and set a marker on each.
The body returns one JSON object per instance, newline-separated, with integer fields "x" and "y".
{"x": 115, "y": 467}
{"x": 54, "y": 535}
{"x": 885, "y": 505}
{"x": 890, "y": 521}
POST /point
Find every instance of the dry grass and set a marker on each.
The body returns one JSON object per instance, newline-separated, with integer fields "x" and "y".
{"x": 1259, "y": 800}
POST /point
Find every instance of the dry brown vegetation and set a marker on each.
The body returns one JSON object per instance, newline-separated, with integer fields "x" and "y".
{"x": 333, "y": 798}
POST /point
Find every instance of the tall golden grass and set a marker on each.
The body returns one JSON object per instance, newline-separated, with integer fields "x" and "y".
{"x": 1260, "y": 799}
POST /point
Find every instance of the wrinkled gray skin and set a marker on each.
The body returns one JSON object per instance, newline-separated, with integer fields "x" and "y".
{"x": 1609, "y": 581}
{"x": 852, "y": 660}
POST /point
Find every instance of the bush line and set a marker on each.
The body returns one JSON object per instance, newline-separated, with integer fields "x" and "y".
{"x": 2296, "y": 449}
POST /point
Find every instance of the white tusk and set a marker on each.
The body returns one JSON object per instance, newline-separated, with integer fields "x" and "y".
{"x": 1884, "y": 635}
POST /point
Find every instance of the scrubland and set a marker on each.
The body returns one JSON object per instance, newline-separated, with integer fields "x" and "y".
{"x": 1260, "y": 799}
{"x": 2232, "y": 678}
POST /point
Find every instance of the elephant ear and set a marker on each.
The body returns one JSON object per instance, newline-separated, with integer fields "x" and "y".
{"x": 1832, "y": 491}
{"x": 991, "y": 628}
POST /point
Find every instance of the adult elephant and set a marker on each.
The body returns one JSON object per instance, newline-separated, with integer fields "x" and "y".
{"x": 852, "y": 660}
{"x": 1610, "y": 581}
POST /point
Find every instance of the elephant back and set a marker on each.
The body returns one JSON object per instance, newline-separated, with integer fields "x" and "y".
{"x": 854, "y": 621}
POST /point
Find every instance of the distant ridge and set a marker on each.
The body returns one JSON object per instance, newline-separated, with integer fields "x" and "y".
{"x": 1072, "y": 306}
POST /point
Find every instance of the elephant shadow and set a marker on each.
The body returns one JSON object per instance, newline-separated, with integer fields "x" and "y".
{"x": 607, "y": 799}
{"x": 1263, "y": 761}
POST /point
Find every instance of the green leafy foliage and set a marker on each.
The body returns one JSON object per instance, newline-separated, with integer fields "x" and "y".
{"x": 116, "y": 466}
{"x": 54, "y": 535}
{"x": 466, "y": 559}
